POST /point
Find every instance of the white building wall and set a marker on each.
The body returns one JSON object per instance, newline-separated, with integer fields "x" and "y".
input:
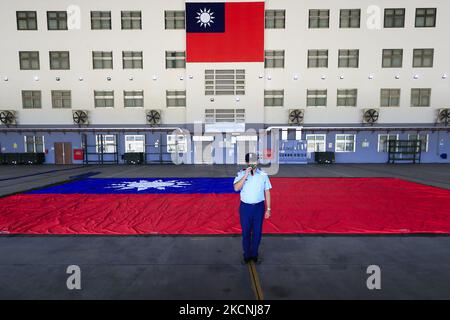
{"x": 154, "y": 79}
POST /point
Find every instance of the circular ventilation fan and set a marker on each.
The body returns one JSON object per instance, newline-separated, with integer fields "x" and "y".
{"x": 7, "y": 117}
{"x": 153, "y": 117}
{"x": 371, "y": 116}
{"x": 296, "y": 116}
{"x": 444, "y": 116}
{"x": 80, "y": 117}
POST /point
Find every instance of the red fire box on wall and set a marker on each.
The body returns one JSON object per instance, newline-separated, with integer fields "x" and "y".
{"x": 78, "y": 154}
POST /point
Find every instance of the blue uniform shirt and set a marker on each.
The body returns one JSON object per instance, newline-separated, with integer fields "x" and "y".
{"x": 254, "y": 186}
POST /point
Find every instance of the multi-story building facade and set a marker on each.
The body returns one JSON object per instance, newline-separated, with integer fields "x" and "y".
{"x": 346, "y": 76}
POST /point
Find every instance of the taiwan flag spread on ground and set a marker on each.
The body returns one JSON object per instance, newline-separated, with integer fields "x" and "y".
{"x": 225, "y": 31}
{"x": 210, "y": 206}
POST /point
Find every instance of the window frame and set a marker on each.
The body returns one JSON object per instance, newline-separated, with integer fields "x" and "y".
{"x": 346, "y": 141}
{"x": 34, "y": 144}
{"x": 59, "y": 20}
{"x": 30, "y": 60}
{"x": 100, "y": 20}
{"x": 59, "y": 60}
{"x": 308, "y": 136}
{"x": 131, "y": 19}
{"x": 27, "y": 20}
{"x": 30, "y": 96}
{"x": 59, "y": 95}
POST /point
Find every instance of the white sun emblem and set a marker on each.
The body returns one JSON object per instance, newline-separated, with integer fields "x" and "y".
{"x": 205, "y": 17}
{"x": 142, "y": 185}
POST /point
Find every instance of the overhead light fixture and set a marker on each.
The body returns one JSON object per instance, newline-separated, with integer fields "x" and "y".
{"x": 5, "y": 79}
{"x": 261, "y": 76}
{"x": 154, "y": 78}
{"x": 181, "y": 78}
{"x": 108, "y": 78}
{"x": 80, "y": 79}
{"x": 296, "y": 77}
{"x": 191, "y": 76}
{"x": 444, "y": 76}
{"x": 36, "y": 78}
{"x": 238, "y": 99}
{"x": 341, "y": 77}
{"x": 131, "y": 78}
{"x": 269, "y": 77}
{"x": 371, "y": 76}
{"x": 416, "y": 76}
{"x": 397, "y": 77}
{"x": 323, "y": 77}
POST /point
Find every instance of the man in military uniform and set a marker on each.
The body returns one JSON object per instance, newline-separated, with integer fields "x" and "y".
{"x": 254, "y": 186}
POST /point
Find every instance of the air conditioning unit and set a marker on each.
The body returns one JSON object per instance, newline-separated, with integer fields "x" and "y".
{"x": 8, "y": 117}
{"x": 80, "y": 117}
{"x": 371, "y": 116}
{"x": 296, "y": 116}
{"x": 153, "y": 117}
{"x": 444, "y": 116}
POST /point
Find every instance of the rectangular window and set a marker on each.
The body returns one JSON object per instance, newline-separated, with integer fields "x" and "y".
{"x": 392, "y": 58}
{"x": 394, "y": 18}
{"x": 347, "y": 97}
{"x": 26, "y": 20}
{"x": 102, "y": 59}
{"x": 426, "y": 17}
{"x": 34, "y": 144}
{"x": 134, "y": 143}
{"x": 132, "y": 60}
{"x": 131, "y": 20}
{"x": 61, "y": 99}
{"x": 224, "y": 82}
{"x": 175, "y": 98}
{"x": 319, "y": 19}
{"x": 106, "y": 143}
{"x": 31, "y": 99}
{"x": 175, "y": 59}
{"x": 174, "y": 19}
{"x": 349, "y": 58}
{"x": 57, "y": 20}
{"x": 345, "y": 143}
{"x": 350, "y": 18}
{"x": 273, "y": 98}
{"x": 316, "y": 142}
{"x": 316, "y": 98}
{"x": 104, "y": 99}
{"x": 390, "y": 98}
{"x": 274, "y": 59}
{"x": 383, "y": 141}
{"x": 423, "y": 138}
{"x": 420, "y": 97}
{"x": 275, "y": 19}
{"x": 317, "y": 58}
{"x": 133, "y": 99}
{"x": 59, "y": 60}
{"x": 213, "y": 116}
{"x": 29, "y": 60}
{"x": 176, "y": 143}
{"x": 101, "y": 20}
{"x": 423, "y": 58}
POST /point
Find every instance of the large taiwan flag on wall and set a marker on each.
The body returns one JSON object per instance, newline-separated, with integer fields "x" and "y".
{"x": 231, "y": 31}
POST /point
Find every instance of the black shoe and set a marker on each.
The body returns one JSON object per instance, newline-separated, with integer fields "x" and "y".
{"x": 255, "y": 260}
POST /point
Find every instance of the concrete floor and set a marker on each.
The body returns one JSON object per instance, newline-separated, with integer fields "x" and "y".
{"x": 163, "y": 267}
